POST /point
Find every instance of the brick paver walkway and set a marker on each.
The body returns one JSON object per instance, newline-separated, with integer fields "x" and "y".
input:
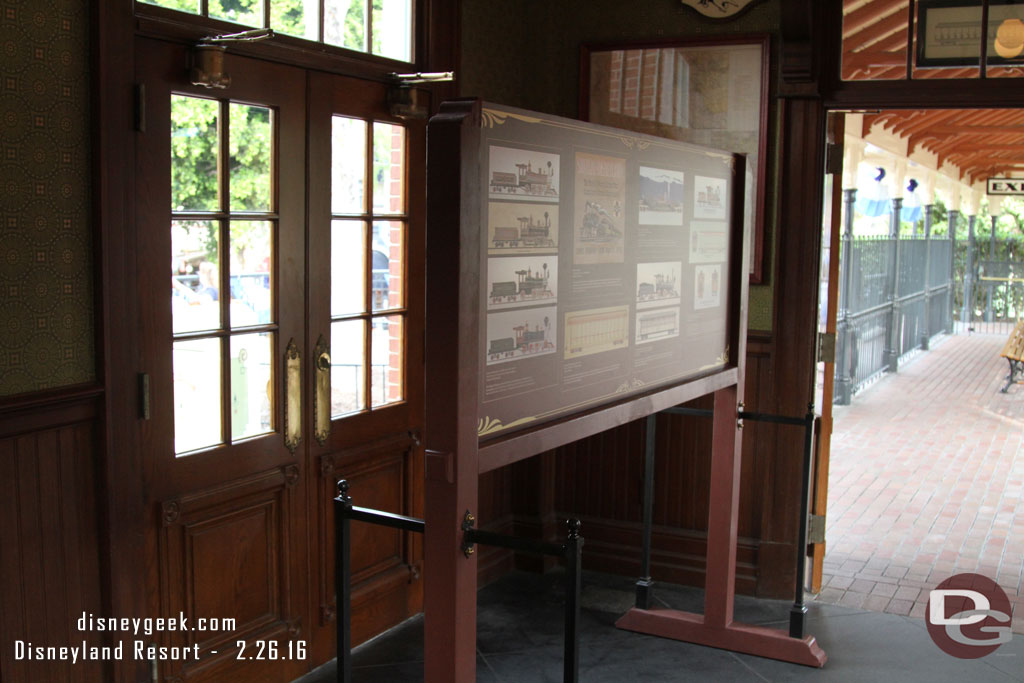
{"x": 927, "y": 480}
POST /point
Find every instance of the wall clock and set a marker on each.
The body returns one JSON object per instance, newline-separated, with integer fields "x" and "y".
{"x": 718, "y": 9}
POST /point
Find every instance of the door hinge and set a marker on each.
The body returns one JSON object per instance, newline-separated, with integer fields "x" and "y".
{"x": 143, "y": 396}
{"x": 816, "y": 528}
{"x": 826, "y": 347}
{"x": 140, "y": 107}
{"x": 833, "y": 158}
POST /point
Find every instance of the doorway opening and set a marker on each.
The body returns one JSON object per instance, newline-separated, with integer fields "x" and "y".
{"x": 926, "y": 457}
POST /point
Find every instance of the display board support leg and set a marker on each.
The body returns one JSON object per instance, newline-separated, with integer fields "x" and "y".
{"x": 450, "y": 582}
{"x": 645, "y": 585}
{"x": 716, "y": 627}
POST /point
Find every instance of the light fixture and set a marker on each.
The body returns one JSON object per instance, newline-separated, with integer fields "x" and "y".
{"x": 1010, "y": 38}
{"x": 208, "y": 57}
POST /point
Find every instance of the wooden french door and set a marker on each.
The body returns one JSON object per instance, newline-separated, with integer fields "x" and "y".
{"x": 828, "y": 307}
{"x": 282, "y": 353}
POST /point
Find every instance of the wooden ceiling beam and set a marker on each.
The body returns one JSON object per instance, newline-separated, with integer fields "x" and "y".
{"x": 894, "y": 25}
{"x": 870, "y": 13}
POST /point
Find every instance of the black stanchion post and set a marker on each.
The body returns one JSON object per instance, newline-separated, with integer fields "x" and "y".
{"x": 342, "y": 581}
{"x": 573, "y": 579}
{"x": 798, "y": 613}
{"x": 644, "y": 585}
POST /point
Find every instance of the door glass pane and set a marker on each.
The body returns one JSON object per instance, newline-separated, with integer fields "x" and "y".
{"x": 348, "y": 165}
{"x": 251, "y": 147}
{"x": 251, "y": 256}
{"x": 251, "y": 384}
{"x": 296, "y": 18}
{"x": 387, "y": 354}
{"x": 348, "y": 359}
{"x": 197, "y": 417}
{"x": 194, "y": 146}
{"x": 348, "y": 267}
{"x": 388, "y": 168}
{"x": 248, "y": 12}
{"x": 345, "y": 23}
{"x": 387, "y": 264}
{"x": 392, "y": 29}
{"x": 195, "y": 249}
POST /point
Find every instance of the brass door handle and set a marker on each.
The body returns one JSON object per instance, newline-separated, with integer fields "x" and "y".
{"x": 322, "y": 392}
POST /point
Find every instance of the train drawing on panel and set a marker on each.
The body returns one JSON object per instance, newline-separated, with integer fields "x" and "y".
{"x": 661, "y": 197}
{"x": 530, "y": 233}
{"x": 657, "y": 283}
{"x": 519, "y": 334}
{"x": 596, "y": 330}
{"x": 657, "y": 324}
{"x": 598, "y": 224}
{"x": 521, "y": 280}
{"x": 528, "y": 286}
{"x": 663, "y": 287}
{"x": 525, "y": 180}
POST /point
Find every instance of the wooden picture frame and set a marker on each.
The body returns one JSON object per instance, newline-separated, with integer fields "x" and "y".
{"x": 707, "y": 91}
{"x": 949, "y": 33}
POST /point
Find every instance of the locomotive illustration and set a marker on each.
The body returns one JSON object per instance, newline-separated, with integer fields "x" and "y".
{"x": 524, "y": 341}
{"x": 664, "y": 287}
{"x": 598, "y": 225}
{"x": 526, "y": 180}
{"x": 653, "y": 324}
{"x": 530, "y": 233}
{"x": 527, "y": 286}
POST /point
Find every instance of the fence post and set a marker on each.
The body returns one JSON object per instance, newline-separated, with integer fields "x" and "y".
{"x": 968, "y": 310}
{"x": 844, "y": 369}
{"x": 893, "y": 340}
{"x": 927, "y": 334}
{"x": 953, "y": 217}
{"x": 989, "y": 284}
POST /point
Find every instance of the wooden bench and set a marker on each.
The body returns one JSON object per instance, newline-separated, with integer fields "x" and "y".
{"x": 1013, "y": 352}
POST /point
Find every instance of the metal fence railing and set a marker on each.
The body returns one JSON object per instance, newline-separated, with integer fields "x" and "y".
{"x": 989, "y": 296}
{"x": 895, "y": 295}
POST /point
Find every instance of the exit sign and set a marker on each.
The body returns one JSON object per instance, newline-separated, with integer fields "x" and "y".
{"x": 1013, "y": 186}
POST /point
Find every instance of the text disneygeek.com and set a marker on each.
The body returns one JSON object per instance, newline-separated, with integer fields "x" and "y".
{"x": 146, "y": 649}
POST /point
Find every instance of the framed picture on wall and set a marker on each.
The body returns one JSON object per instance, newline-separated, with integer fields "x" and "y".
{"x": 707, "y": 91}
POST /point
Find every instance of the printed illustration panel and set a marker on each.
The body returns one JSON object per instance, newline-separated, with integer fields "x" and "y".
{"x": 515, "y": 228}
{"x": 523, "y": 174}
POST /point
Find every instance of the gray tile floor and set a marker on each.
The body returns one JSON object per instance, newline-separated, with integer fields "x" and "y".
{"x": 519, "y": 638}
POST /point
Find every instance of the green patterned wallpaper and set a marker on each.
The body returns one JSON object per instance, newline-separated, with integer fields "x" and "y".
{"x": 46, "y": 291}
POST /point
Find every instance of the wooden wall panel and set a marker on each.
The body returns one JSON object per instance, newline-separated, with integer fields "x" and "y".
{"x": 49, "y": 566}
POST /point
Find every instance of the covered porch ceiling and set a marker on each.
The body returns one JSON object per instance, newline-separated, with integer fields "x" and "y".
{"x": 964, "y": 146}
{"x": 973, "y": 143}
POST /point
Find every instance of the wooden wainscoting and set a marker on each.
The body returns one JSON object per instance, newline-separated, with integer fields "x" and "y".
{"x": 49, "y": 531}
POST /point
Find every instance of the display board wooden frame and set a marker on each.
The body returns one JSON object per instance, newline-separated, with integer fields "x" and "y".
{"x": 455, "y": 455}
{"x": 753, "y": 99}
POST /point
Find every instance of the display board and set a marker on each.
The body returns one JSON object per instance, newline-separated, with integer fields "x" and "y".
{"x": 607, "y": 265}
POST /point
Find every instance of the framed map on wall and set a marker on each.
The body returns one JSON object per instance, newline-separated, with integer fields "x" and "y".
{"x": 711, "y": 92}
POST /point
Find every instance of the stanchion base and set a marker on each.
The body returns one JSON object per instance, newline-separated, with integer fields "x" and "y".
{"x": 753, "y": 640}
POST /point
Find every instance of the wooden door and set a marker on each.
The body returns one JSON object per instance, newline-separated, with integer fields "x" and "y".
{"x": 828, "y": 311}
{"x": 365, "y": 303}
{"x": 282, "y": 362}
{"x": 222, "y": 203}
